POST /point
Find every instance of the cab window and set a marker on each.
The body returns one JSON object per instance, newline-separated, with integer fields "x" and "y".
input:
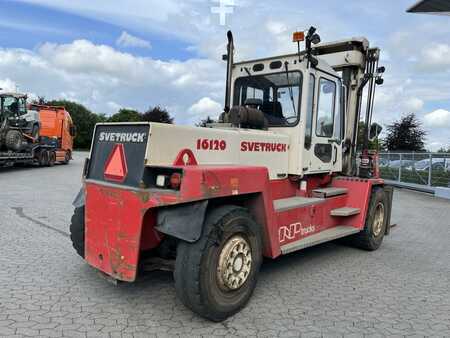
{"x": 340, "y": 114}
{"x": 279, "y": 96}
{"x": 310, "y": 111}
{"x": 325, "y": 108}
{"x": 22, "y": 106}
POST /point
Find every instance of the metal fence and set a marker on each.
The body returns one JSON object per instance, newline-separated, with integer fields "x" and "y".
{"x": 417, "y": 170}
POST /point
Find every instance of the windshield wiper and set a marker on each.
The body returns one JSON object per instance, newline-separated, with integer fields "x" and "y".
{"x": 291, "y": 92}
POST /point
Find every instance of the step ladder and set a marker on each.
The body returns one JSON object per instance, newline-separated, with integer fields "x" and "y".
{"x": 321, "y": 237}
{"x": 296, "y": 202}
{"x": 329, "y": 192}
{"x": 345, "y": 212}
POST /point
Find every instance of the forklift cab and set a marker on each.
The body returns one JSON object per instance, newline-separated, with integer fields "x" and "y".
{"x": 14, "y": 114}
{"x": 314, "y": 97}
{"x": 13, "y": 105}
{"x": 299, "y": 100}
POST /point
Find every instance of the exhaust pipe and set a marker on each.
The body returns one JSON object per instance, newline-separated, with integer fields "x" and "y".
{"x": 229, "y": 57}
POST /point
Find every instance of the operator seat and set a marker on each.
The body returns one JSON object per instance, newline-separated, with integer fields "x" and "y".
{"x": 13, "y": 108}
{"x": 274, "y": 112}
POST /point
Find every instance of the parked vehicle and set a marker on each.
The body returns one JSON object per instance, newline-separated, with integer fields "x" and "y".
{"x": 424, "y": 165}
{"x": 403, "y": 163}
{"x": 210, "y": 203}
{"x": 43, "y": 135}
{"x": 19, "y": 126}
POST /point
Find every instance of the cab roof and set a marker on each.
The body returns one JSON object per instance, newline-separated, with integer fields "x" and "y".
{"x": 15, "y": 95}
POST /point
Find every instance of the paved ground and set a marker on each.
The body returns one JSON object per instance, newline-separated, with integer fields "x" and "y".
{"x": 331, "y": 290}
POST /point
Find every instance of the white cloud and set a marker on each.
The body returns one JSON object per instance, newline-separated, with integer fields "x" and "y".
{"x": 7, "y": 85}
{"x": 105, "y": 79}
{"x": 136, "y": 15}
{"x": 394, "y": 99}
{"x": 435, "y": 146}
{"x": 435, "y": 57}
{"x": 276, "y": 27}
{"x": 114, "y": 106}
{"x": 82, "y": 57}
{"x": 413, "y": 104}
{"x": 27, "y": 26}
{"x": 127, "y": 40}
{"x": 102, "y": 10}
{"x": 438, "y": 119}
{"x": 205, "y": 107}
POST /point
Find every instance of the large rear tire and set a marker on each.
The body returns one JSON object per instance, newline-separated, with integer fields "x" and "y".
{"x": 77, "y": 231}
{"x": 371, "y": 237}
{"x": 215, "y": 277}
{"x": 13, "y": 140}
{"x": 43, "y": 158}
{"x": 67, "y": 158}
{"x": 51, "y": 158}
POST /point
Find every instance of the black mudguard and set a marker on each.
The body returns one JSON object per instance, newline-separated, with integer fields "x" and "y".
{"x": 79, "y": 199}
{"x": 184, "y": 221}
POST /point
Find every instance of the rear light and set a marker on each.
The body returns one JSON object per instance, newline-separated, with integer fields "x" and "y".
{"x": 175, "y": 181}
{"x": 163, "y": 178}
{"x": 161, "y": 181}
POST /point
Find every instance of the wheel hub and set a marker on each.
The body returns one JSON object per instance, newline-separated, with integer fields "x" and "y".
{"x": 235, "y": 262}
{"x": 378, "y": 220}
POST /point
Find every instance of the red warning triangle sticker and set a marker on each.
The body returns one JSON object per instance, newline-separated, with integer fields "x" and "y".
{"x": 116, "y": 165}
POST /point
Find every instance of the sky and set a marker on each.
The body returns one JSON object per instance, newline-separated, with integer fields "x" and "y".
{"x": 135, "y": 54}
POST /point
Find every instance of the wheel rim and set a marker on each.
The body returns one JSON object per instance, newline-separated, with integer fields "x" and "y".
{"x": 235, "y": 263}
{"x": 378, "y": 220}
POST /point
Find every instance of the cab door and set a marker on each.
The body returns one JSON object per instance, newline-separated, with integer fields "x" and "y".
{"x": 326, "y": 125}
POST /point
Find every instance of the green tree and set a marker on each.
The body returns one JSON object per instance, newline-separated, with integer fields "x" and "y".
{"x": 443, "y": 150}
{"x": 83, "y": 119}
{"x": 126, "y": 115}
{"x": 157, "y": 114}
{"x": 405, "y": 134}
{"x": 205, "y": 122}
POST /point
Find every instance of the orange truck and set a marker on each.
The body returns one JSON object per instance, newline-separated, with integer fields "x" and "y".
{"x": 36, "y": 134}
{"x": 56, "y": 124}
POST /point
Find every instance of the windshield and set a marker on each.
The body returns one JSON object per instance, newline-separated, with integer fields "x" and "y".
{"x": 280, "y": 95}
{"x": 10, "y": 107}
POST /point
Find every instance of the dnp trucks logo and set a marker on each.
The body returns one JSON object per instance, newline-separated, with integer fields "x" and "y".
{"x": 122, "y": 137}
{"x": 294, "y": 231}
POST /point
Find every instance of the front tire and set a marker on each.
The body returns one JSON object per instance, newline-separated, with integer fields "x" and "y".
{"x": 215, "y": 277}
{"x": 371, "y": 237}
{"x": 14, "y": 140}
{"x": 77, "y": 231}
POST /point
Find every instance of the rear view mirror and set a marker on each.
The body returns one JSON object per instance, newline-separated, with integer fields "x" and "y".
{"x": 375, "y": 131}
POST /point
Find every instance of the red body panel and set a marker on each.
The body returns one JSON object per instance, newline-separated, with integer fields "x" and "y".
{"x": 120, "y": 220}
